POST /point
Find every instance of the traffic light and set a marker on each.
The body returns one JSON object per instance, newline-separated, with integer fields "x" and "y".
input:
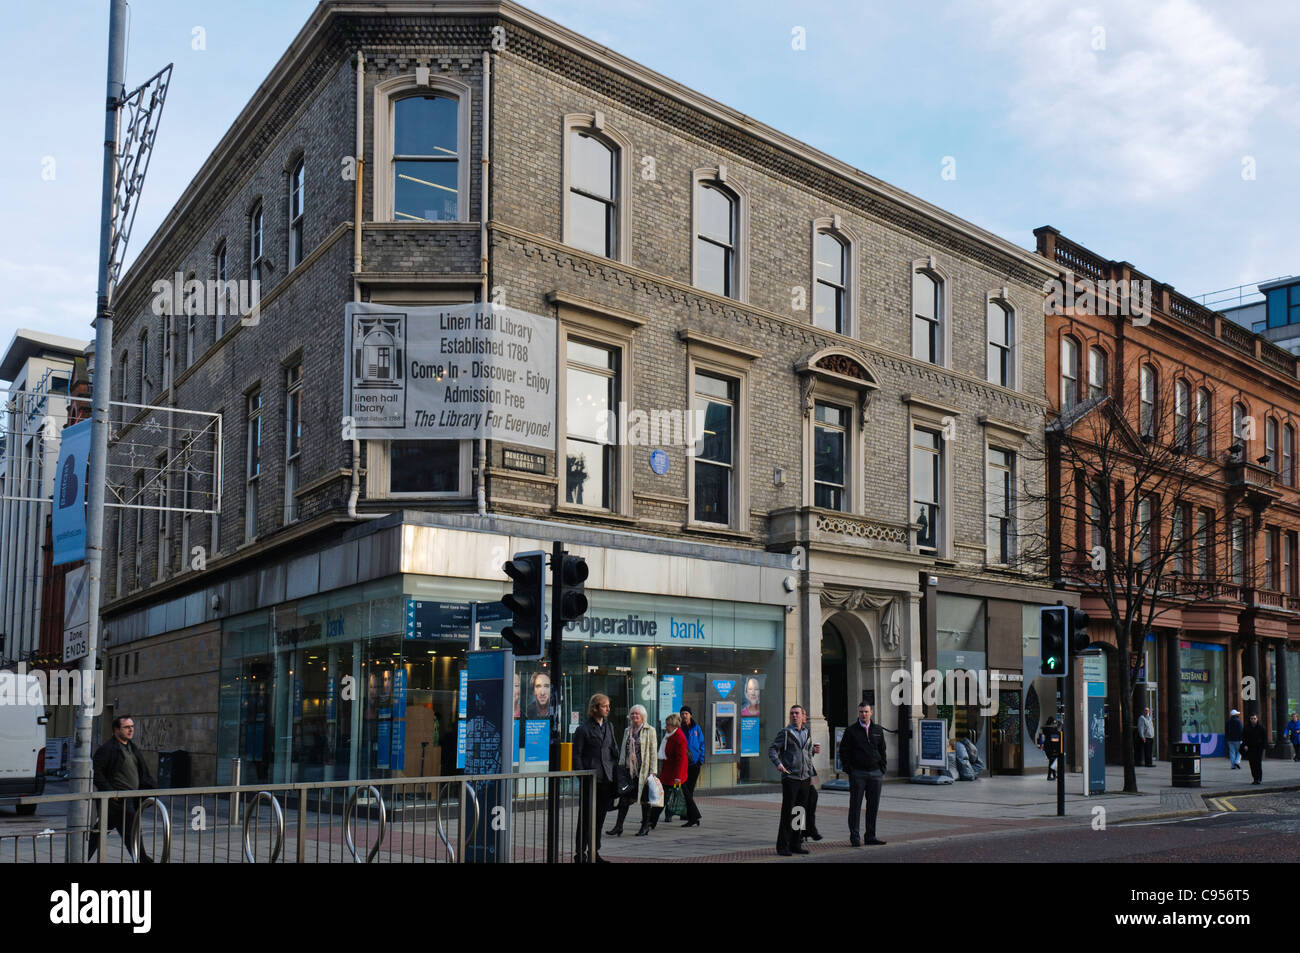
{"x": 570, "y": 576}
{"x": 527, "y": 600}
{"x": 1051, "y": 640}
{"x": 1079, "y": 639}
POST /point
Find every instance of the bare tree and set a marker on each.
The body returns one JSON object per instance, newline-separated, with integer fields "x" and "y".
{"x": 1136, "y": 512}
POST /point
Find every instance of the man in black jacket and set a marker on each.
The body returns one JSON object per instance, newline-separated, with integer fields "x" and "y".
{"x": 862, "y": 754}
{"x": 119, "y": 766}
{"x": 594, "y": 749}
{"x": 1254, "y": 742}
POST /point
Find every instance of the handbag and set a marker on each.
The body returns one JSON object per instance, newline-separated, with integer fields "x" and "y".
{"x": 624, "y": 783}
{"x": 675, "y": 802}
{"x": 655, "y": 798}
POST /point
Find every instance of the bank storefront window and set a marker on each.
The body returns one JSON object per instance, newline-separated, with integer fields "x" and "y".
{"x": 1202, "y": 669}
{"x": 365, "y": 682}
{"x": 962, "y": 649}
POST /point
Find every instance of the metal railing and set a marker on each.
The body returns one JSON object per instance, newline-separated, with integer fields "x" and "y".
{"x": 499, "y": 818}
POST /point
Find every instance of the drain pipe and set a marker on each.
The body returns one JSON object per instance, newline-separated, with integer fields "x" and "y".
{"x": 357, "y": 212}
{"x": 481, "y": 473}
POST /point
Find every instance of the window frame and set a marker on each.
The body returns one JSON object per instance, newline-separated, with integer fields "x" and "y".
{"x": 297, "y": 190}
{"x": 847, "y": 403}
{"x": 612, "y": 329}
{"x": 834, "y": 227}
{"x": 1010, "y": 352}
{"x": 1288, "y": 455}
{"x": 1237, "y": 544}
{"x": 1182, "y": 416}
{"x": 220, "y": 273}
{"x": 256, "y": 241}
{"x": 719, "y": 178}
{"x": 942, "y": 330}
{"x": 925, "y": 415}
{"x": 594, "y": 125}
{"x": 1069, "y": 372}
{"x": 1271, "y": 431}
{"x": 384, "y": 99}
{"x": 1009, "y": 502}
{"x": 1098, "y": 366}
{"x": 1202, "y": 430}
{"x": 719, "y": 358}
{"x": 252, "y": 426}
{"x": 1147, "y": 374}
{"x": 293, "y": 390}
{"x": 143, "y": 383}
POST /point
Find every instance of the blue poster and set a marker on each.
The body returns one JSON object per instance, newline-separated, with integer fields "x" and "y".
{"x": 398, "y": 756}
{"x": 460, "y": 745}
{"x": 750, "y": 743}
{"x": 1096, "y": 738}
{"x": 464, "y": 692}
{"x": 69, "y": 521}
{"x": 330, "y": 711}
{"x": 670, "y": 695}
{"x": 382, "y": 737}
{"x": 537, "y": 741}
{"x": 514, "y": 743}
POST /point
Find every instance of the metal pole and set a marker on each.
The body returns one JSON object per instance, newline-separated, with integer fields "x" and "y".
{"x": 1063, "y": 710}
{"x": 552, "y": 784}
{"x": 79, "y": 775}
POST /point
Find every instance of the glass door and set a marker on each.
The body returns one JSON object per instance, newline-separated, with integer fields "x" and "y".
{"x": 1007, "y": 754}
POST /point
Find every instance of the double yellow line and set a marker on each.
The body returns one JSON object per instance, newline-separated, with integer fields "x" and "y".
{"x": 1222, "y": 804}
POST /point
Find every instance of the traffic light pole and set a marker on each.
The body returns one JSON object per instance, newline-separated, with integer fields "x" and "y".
{"x": 1064, "y": 711}
{"x": 556, "y": 640}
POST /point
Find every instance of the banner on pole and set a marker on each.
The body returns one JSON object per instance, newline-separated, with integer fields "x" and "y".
{"x": 69, "y": 521}
{"x": 455, "y": 372}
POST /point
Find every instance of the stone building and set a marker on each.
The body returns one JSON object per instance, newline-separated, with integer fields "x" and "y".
{"x": 866, "y": 367}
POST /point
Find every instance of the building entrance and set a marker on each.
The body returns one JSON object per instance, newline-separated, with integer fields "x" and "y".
{"x": 835, "y": 680}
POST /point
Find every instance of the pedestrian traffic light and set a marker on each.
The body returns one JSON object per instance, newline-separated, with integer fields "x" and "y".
{"x": 527, "y": 600}
{"x": 570, "y": 577}
{"x": 1079, "y": 639}
{"x": 1051, "y": 640}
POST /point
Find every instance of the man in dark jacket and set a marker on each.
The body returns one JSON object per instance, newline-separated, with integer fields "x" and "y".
{"x": 792, "y": 752}
{"x": 594, "y": 749}
{"x": 862, "y": 753}
{"x": 1234, "y": 739}
{"x": 119, "y": 766}
{"x": 1254, "y": 742}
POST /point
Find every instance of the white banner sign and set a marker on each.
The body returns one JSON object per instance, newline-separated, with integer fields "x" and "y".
{"x": 76, "y": 614}
{"x": 453, "y": 372}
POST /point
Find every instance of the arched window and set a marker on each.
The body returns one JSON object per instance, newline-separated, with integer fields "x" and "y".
{"x": 1270, "y": 444}
{"x": 715, "y": 239}
{"x": 1288, "y": 455}
{"x": 1182, "y": 435}
{"x": 1001, "y": 322}
{"x": 592, "y": 220}
{"x": 1096, "y": 372}
{"x": 425, "y": 172}
{"x": 927, "y": 317}
{"x": 1147, "y": 398}
{"x": 1069, "y": 372}
{"x": 1239, "y": 427}
{"x": 1203, "y": 410}
{"x": 830, "y": 292}
{"x": 255, "y": 243}
{"x": 296, "y": 196}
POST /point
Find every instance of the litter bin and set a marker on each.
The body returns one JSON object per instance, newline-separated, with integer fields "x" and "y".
{"x": 1186, "y": 765}
{"x": 174, "y": 769}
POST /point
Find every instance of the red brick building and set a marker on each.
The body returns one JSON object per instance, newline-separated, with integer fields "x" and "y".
{"x": 1228, "y": 404}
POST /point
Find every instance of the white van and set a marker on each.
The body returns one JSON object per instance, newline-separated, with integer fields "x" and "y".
{"x": 22, "y": 740}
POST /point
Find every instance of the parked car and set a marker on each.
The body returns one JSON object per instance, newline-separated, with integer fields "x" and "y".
{"x": 22, "y": 742}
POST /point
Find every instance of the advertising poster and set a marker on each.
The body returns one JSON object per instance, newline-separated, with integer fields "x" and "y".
{"x": 1202, "y": 678}
{"x": 751, "y": 743}
{"x": 934, "y": 743}
{"x": 398, "y": 752}
{"x": 486, "y": 742}
{"x": 1096, "y": 738}
{"x": 537, "y": 744}
{"x": 670, "y": 696}
{"x": 451, "y": 372}
{"x": 69, "y": 519}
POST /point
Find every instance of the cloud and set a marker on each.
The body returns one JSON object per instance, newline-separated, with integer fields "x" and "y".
{"x": 1146, "y": 100}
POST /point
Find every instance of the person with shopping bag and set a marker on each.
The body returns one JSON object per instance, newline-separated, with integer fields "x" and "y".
{"x": 639, "y": 756}
{"x": 674, "y": 758}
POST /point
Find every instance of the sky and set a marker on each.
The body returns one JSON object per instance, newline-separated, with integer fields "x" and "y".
{"x": 1165, "y": 133}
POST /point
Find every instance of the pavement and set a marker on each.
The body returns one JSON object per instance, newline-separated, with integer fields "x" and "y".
{"x": 742, "y": 827}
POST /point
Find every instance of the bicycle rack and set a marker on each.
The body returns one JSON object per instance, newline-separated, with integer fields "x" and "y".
{"x": 167, "y": 830}
{"x": 251, "y": 812}
{"x": 347, "y": 824}
{"x": 442, "y": 833}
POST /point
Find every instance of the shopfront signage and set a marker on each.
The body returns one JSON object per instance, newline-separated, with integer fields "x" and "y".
{"x": 429, "y": 619}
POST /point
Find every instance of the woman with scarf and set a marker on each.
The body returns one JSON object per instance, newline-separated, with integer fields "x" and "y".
{"x": 639, "y": 754}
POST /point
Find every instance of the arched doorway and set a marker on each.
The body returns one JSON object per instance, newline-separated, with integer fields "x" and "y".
{"x": 835, "y": 679}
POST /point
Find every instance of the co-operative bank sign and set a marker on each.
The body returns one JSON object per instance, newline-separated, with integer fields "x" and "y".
{"x": 457, "y": 372}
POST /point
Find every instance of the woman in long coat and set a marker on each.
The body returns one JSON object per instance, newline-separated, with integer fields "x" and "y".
{"x": 639, "y": 754}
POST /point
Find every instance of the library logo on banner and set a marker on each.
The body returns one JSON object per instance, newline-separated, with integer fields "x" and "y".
{"x": 74, "y": 907}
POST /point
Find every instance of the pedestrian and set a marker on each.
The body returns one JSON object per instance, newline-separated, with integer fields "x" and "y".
{"x": 1293, "y": 733}
{"x": 1048, "y": 747}
{"x": 1234, "y": 739}
{"x": 594, "y": 749}
{"x": 862, "y": 753}
{"x": 639, "y": 753}
{"x": 1147, "y": 735}
{"x": 1254, "y": 741}
{"x": 672, "y": 764}
{"x": 119, "y": 766}
{"x": 695, "y": 755}
{"x": 792, "y": 752}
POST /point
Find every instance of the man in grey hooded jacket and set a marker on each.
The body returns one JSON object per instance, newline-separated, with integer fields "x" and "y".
{"x": 792, "y": 752}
